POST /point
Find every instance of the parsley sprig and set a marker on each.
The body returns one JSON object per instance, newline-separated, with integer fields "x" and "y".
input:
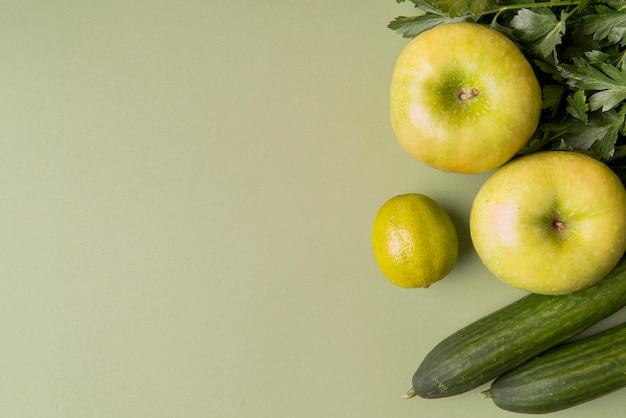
{"x": 578, "y": 50}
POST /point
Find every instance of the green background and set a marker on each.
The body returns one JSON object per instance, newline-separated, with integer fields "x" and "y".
{"x": 187, "y": 194}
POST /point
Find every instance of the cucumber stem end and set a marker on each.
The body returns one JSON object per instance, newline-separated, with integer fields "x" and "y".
{"x": 410, "y": 394}
{"x": 486, "y": 394}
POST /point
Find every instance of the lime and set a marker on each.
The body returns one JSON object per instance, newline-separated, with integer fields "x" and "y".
{"x": 414, "y": 241}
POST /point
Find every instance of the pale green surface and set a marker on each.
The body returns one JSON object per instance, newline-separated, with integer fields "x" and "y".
{"x": 187, "y": 195}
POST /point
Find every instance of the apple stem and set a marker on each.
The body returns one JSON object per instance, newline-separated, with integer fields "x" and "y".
{"x": 465, "y": 94}
{"x": 560, "y": 226}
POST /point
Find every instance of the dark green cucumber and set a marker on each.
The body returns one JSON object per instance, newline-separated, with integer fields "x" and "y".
{"x": 514, "y": 334}
{"x": 565, "y": 376}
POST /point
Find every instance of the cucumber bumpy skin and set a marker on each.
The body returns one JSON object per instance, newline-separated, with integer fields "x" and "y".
{"x": 565, "y": 376}
{"x": 514, "y": 334}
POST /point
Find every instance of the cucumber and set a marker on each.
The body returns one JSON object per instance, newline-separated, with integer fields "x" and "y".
{"x": 514, "y": 334}
{"x": 565, "y": 376}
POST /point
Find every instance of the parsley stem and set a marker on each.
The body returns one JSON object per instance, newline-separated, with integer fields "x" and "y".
{"x": 557, "y": 3}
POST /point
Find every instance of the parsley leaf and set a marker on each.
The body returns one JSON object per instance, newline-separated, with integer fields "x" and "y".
{"x": 577, "y": 106}
{"x": 426, "y": 17}
{"x": 607, "y": 80}
{"x": 607, "y": 24}
{"x": 456, "y": 8}
{"x": 552, "y": 96}
{"x": 599, "y": 135}
{"x": 411, "y": 26}
{"x": 540, "y": 29}
{"x": 459, "y": 7}
{"x": 452, "y": 7}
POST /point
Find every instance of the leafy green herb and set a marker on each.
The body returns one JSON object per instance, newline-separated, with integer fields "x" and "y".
{"x": 578, "y": 50}
{"x": 606, "y": 79}
{"x": 577, "y": 106}
{"x": 426, "y": 17}
{"x": 598, "y": 136}
{"x": 606, "y": 23}
{"x": 541, "y": 30}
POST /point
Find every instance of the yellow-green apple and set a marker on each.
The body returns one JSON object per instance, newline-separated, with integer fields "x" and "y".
{"x": 552, "y": 222}
{"x": 463, "y": 98}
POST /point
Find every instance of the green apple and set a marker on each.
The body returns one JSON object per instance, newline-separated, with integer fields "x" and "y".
{"x": 551, "y": 223}
{"x": 463, "y": 98}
